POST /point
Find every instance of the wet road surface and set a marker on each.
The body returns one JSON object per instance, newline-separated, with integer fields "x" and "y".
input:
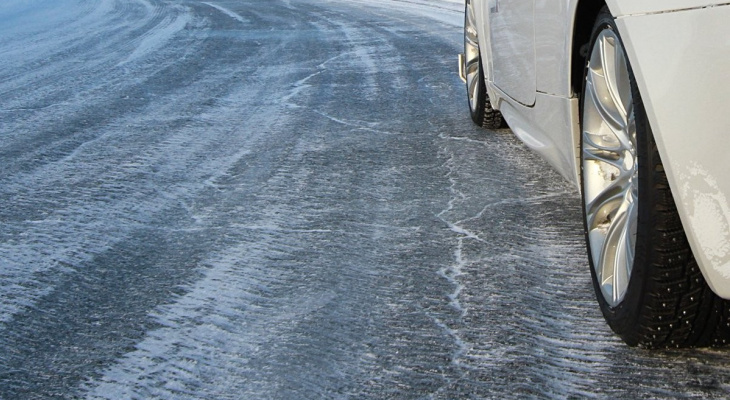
{"x": 285, "y": 200}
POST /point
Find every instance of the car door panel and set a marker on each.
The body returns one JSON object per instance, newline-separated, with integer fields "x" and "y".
{"x": 512, "y": 40}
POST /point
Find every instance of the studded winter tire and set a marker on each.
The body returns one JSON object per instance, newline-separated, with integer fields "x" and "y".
{"x": 647, "y": 282}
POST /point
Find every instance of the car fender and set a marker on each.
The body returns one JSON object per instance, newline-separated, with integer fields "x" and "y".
{"x": 680, "y": 60}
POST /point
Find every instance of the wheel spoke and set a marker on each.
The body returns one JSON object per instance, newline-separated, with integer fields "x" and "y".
{"x": 611, "y": 158}
{"x": 609, "y": 59}
{"x": 604, "y": 204}
{"x": 617, "y": 75}
{"x": 607, "y": 261}
{"x": 601, "y": 141}
{"x": 472, "y": 66}
{"x": 602, "y": 208}
{"x": 614, "y": 262}
{"x": 597, "y": 89}
{"x": 473, "y": 90}
{"x": 630, "y": 239}
{"x": 471, "y": 38}
{"x": 622, "y": 262}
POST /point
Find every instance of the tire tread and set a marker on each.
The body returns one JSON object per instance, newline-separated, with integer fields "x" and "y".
{"x": 680, "y": 309}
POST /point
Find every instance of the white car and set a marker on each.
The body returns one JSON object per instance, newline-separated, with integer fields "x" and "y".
{"x": 629, "y": 100}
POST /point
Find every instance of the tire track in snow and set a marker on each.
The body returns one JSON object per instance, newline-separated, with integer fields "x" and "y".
{"x": 289, "y": 268}
{"x": 228, "y": 12}
{"x": 32, "y": 177}
{"x": 145, "y": 166}
{"x": 158, "y": 37}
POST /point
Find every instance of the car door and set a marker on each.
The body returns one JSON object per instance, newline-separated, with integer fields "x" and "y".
{"x": 512, "y": 32}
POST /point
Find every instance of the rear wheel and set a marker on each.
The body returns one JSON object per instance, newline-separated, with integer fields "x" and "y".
{"x": 480, "y": 108}
{"x": 647, "y": 282}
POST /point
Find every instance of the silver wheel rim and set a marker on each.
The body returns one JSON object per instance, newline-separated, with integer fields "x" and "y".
{"x": 610, "y": 174}
{"x": 471, "y": 52}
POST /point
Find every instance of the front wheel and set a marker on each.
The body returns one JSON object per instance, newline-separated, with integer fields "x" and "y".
{"x": 648, "y": 284}
{"x": 480, "y": 108}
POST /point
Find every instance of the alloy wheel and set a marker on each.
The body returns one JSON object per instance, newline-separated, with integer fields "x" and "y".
{"x": 472, "y": 58}
{"x": 609, "y": 164}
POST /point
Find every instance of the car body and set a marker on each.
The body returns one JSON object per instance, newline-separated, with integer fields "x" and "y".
{"x": 533, "y": 58}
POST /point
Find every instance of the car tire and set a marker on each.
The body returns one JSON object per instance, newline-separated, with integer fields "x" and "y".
{"x": 648, "y": 284}
{"x": 480, "y": 108}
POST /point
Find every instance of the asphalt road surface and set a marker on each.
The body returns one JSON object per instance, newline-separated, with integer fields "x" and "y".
{"x": 240, "y": 199}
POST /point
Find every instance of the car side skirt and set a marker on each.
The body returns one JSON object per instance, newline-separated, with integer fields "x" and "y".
{"x": 550, "y": 128}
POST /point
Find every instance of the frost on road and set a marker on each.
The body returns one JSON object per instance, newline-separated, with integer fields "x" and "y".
{"x": 285, "y": 200}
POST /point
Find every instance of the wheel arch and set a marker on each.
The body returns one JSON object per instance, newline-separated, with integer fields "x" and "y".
{"x": 585, "y": 15}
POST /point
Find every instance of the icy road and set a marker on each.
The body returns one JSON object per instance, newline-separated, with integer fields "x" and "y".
{"x": 285, "y": 199}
